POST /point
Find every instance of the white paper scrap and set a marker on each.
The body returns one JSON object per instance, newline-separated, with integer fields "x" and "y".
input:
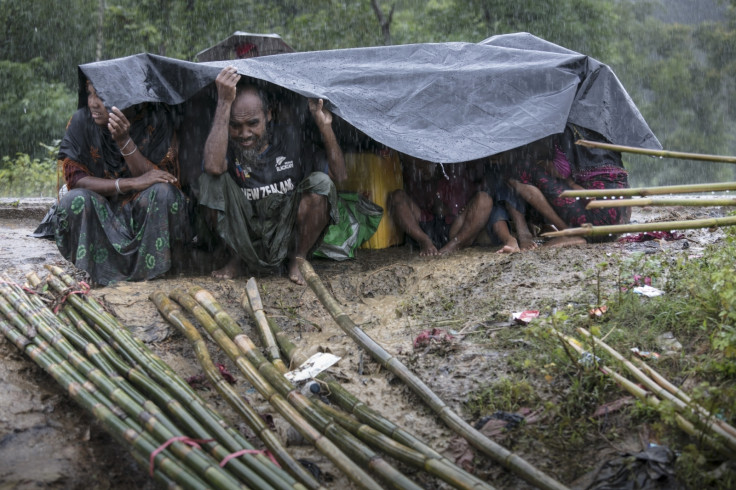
{"x": 312, "y": 367}
{"x": 648, "y": 291}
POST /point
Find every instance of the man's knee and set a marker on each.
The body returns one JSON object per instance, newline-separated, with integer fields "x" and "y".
{"x": 318, "y": 183}
{"x": 311, "y": 199}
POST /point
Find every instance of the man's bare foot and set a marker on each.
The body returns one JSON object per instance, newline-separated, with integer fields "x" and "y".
{"x": 232, "y": 270}
{"x": 526, "y": 242}
{"x": 427, "y": 249}
{"x": 510, "y": 247}
{"x": 565, "y": 241}
{"x": 295, "y": 275}
{"x": 450, "y": 247}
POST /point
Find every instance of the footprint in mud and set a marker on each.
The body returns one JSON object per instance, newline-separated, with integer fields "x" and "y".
{"x": 391, "y": 280}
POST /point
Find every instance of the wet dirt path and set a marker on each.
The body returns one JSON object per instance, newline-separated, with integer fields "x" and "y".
{"x": 47, "y": 441}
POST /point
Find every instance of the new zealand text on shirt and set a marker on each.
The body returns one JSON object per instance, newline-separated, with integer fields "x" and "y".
{"x": 283, "y": 187}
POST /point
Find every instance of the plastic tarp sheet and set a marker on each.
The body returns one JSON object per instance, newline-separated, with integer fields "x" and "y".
{"x": 443, "y": 102}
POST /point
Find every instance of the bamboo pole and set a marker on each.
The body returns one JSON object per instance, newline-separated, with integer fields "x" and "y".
{"x": 111, "y": 394}
{"x": 94, "y": 352}
{"x": 498, "y": 453}
{"x": 115, "y": 426}
{"x": 173, "y": 314}
{"x": 656, "y": 153}
{"x": 442, "y": 468}
{"x": 662, "y": 381}
{"x": 293, "y": 355}
{"x": 253, "y": 298}
{"x": 326, "y": 446}
{"x": 344, "y": 439}
{"x": 50, "y": 348}
{"x": 728, "y": 438}
{"x": 645, "y": 396}
{"x": 652, "y": 191}
{"x": 588, "y": 230}
{"x": 169, "y": 389}
{"x": 86, "y": 394}
{"x": 648, "y": 201}
{"x": 421, "y": 456}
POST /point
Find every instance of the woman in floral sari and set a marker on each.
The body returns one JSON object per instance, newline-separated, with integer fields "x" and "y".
{"x": 124, "y": 210}
{"x": 543, "y": 170}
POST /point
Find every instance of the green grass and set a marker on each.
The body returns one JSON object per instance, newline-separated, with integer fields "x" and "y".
{"x": 699, "y": 309}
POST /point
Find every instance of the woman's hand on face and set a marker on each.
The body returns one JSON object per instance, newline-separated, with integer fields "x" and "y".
{"x": 119, "y": 126}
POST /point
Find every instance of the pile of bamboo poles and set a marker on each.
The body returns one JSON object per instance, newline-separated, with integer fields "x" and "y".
{"x": 355, "y": 438}
{"x": 184, "y": 443}
{"x": 355, "y": 448}
{"x": 607, "y": 198}
{"x": 653, "y": 389}
{"x": 135, "y": 396}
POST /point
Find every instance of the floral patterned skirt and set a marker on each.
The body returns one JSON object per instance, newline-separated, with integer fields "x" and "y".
{"x": 572, "y": 209}
{"x": 122, "y": 240}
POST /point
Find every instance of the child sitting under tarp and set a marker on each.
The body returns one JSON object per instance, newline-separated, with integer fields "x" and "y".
{"x": 446, "y": 207}
{"x": 541, "y": 171}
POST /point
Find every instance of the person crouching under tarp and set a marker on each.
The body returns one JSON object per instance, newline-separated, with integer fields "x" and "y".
{"x": 541, "y": 171}
{"x": 124, "y": 211}
{"x": 444, "y": 208}
{"x": 265, "y": 188}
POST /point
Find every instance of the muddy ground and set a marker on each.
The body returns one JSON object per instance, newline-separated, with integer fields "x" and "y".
{"x": 46, "y": 441}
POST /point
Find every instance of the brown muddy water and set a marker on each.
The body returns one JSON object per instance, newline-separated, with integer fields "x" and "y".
{"x": 46, "y": 441}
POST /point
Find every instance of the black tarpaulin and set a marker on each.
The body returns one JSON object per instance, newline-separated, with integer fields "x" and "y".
{"x": 443, "y": 102}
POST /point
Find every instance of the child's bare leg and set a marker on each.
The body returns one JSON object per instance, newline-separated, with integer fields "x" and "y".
{"x": 502, "y": 232}
{"x": 471, "y": 221}
{"x": 406, "y": 214}
{"x": 536, "y": 199}
{"x": 524, "y": 235}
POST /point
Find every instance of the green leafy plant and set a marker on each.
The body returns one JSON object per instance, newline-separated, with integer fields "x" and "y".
{"x": 26, "y": 176}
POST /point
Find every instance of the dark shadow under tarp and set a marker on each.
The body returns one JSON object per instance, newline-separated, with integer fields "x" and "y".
{"x": 444, "y": 102}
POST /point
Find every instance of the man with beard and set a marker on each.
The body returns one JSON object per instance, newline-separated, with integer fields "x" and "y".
{"x": 268, "y": 190}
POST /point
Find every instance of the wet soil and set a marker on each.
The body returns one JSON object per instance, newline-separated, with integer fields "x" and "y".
{"x": 46, "y": 441}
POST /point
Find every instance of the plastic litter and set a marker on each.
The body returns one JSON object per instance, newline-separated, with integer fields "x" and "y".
{"x": 598, "y": 311}
{"x": 524, "y": 317}
{"x": 312, "y": 367}
{"x": 668, "y": 344}
{"x": 426, "y": 337}
{"x": 648, "y": 291}
{"x": 588, "y": 360}
{"x": 651, "y": 469}
{"x": 644, "y": 354}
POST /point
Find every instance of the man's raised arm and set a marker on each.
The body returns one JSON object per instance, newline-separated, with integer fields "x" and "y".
{"x": 215, "y": 149}
{"x": 335, "y": 159}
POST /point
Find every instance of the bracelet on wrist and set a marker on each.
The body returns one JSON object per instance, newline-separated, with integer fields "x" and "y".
{"x": 130, "y": 153}
{"x": 117, "y": 186}
{"x": 122, "y": 148}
